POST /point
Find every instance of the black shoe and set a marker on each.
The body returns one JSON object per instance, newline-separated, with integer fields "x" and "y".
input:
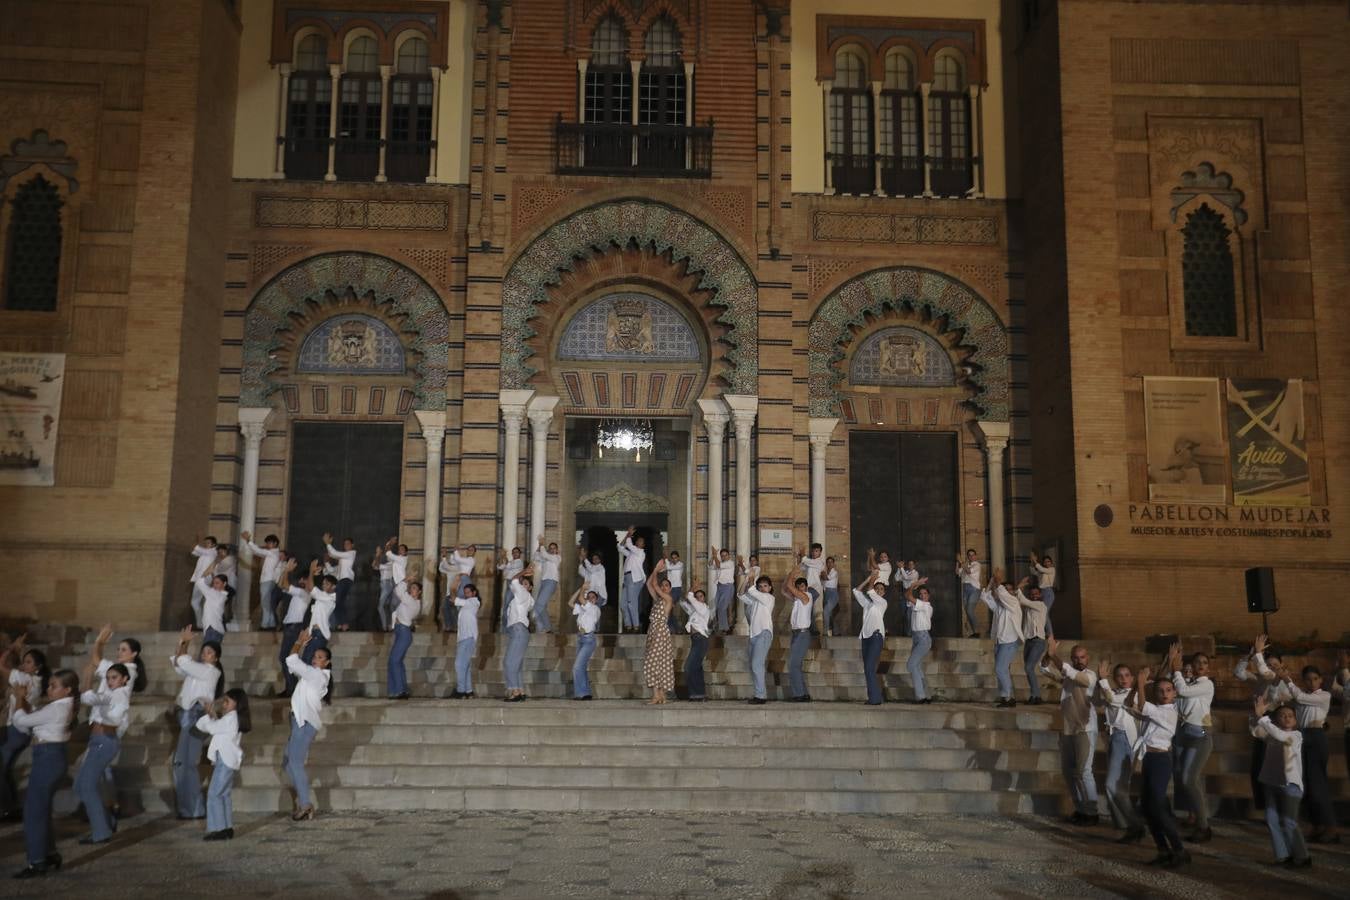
{"x": 1035, "y": 701}
{"x": 224, "y": 834}
{"x": 404, "y": 696}
{"x": 972, "y": 635}
{"x": 804, "y": 698}
{"x": 467, "y": 695}
{"x": 14, "y": 815}
{"x": 926, "y": 700}
{"x": 1201, "y": 836}
{"x": 698, "y": 699}
{"x": 1179, "y": 858}
{"x": 584, "y": 697}
{"x": 1164, "y": 858}
{"x": 33, "y": 870}
{"x": 1304, "y": 863}
{"x": 757, "y": 701}
{"x": 88, "y": 840}
{"x": 1006, "y": 703}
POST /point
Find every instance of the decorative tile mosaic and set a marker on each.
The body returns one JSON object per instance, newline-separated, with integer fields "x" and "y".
{"x": 352, "y": 345}
{"x": 908, "y": 288}
{"x": 629, "y": 326}
{"x": 902, "y": 357}
{"x": 616, "y": 223}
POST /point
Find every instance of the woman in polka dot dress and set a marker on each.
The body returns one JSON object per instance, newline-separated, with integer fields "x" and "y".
{"x": 658, "y": 662}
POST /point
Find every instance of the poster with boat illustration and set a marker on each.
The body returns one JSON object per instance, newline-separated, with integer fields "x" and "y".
{"x": 30, "y": 408}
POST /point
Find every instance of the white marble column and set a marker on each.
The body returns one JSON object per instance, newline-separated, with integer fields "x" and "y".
{"x": 876, "y": 139}
{"x": 541, "y": 420}
{"x": 513, "y": 403}
{"x": 976, "y": 142}
{"x": 820, "y": 432}
{"x": 253, "y": 426}
{"x": 284, "y": 70}
{"x": 435, "y": 74}
{"x": 385, "y": 72}
{"x": 433, "y": 432}
{"x": 928, "y": 149}
{"x": 993, "y": 437}
{"x": 743, "y": 408}
{"x": 715, "y": 421}
{"x": 825, "y": 87}
{"x": 335, "y": 74}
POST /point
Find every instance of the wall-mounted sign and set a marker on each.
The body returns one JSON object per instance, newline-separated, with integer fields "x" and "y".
{"x": 30, "y": 410}
{"x": 1187, "y": 459}
{"x": 1266, "y": 442}
{"x": 775, "y": 538}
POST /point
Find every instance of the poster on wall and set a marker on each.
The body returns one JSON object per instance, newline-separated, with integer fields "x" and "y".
{"x": 30, "y": 406}
{"x": 1187, "y": 460}
{"x": 1267, "y": 444}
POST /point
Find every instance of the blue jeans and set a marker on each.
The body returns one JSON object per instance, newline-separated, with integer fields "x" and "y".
{"x": 316, "y": 643}
{"x": 1075, "y": 762}
{"x": 1190, "y": 751}
{"x": 387, "y": 603}
{"x": 922, "y": 642}
{"x": 676, "y": 595}
{"x": 14, "y": 744}
{"x": 871, "y": 655}
{"x": 297, "y": 752}
{"x": 1119, "y": 768}
{"x": 513, "y": 664}
{"x": 831, "y": 601}
{"x": 219, "y": 809}
{"x": 397, "y": 673}
{"x": 449, "y": 615}
{"x": 102, "y": 751}
{"x": 267, "y": 603}
{"x": 541, "y": 620}
{"x": 724, "y": 594}
{"x": 289, "y": 634}
{"x": 187, "y": 780}
{"x": 49, "y": 768}
{"x": 1153, "y": 800}
{"x": 581, "y": 682}
{"x": 693, "y": 667}
{"x": 1032, "y": 652}
{"x": 212, "y": 635}
{"x": 801, "y": 642}
{"x": 464, "y": 651}
{"x": 629, "y": 602}
{"x": 1003, "y": 657}
{"x": 758, "y": 652}
{"x": 1048, "y": 598}
{"x": 1282, "y": 820}
{"x": 342, "y": 614}
{"x": 970, "y": 599}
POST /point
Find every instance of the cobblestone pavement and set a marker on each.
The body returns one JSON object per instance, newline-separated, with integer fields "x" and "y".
{"x": 633, "y": 854}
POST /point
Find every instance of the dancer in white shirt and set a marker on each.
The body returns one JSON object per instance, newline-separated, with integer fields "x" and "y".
{"x": 675, "y": 574}
{"x": 1194, "y": 740}
{"x": 1158, "y": 725}
{"x": 871, "y": 596}
{"x": 457, "y": 566}
{"x": 1123, "y": 732}
{"x": 226, "y": 721}
{"x": 632, "y": 578}
{"x": 1033, "y": 632}
{"x": 1078, "y": 729}
{"x": 215, "y": 591}
{"x": 202, "y": 683}
{"x": 587, "y": 612}
{"x": 408, "y": 592}
{"x": 466, "y": 641}
{"x": 1007, "y": 631}
{"x": 920, "y": 632}
{"x": 268, "y": 576}
{"x": 204, "y": 554}
{"x": 881, "y": 561}
{"x": 1282, "y": 779}
{"x": 1255, "y": 670}
{"x": 343, "y": 615}
{"x": 592, "y": 572}
{"x": 658, "y": 656}
{"x": 321, "y": 612}
{"x": 295, "y": 588}
{"x": 26, "y": 670}
{"x": 969, "y": 570}
{"x": 49, "y": 728}
{"x": 759, "y": 602}
{"x": 546, "y": 560}
{"x": 696, "y": 609}
{"x": 108, "y": 696}
{"x": 800, "y": 621}
{"x": 518, "y": 612}
{"x": 382, "y": 564}
{"x": 725, "y": 580}
{"x": 1312, "y": 706}
{"x": 829, "y": 584}
{"x": 813, "y": 565}
{"x": 313, "y": 685}
{"x": 509, "y": 567}
{"x": 1044, "y": 567}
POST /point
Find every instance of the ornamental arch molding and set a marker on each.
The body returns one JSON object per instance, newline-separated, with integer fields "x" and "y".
{"x": 848, "y": 308}
{"x": 399, "y": 295}
{"x": 622, "y": 223}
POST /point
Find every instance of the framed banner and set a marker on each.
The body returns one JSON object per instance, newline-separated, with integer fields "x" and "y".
{"x": 1266, "y": 440}
{"x": 1187, "y": 459}
{"x": 30, "y": 409}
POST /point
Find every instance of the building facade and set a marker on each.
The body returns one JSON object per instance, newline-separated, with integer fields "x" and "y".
{"x": 906, "y": 276}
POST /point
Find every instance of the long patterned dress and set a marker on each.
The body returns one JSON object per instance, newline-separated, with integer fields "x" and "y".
{"x": 658, "y": 662}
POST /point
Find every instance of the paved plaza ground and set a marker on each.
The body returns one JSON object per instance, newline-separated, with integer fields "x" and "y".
{"x": 633, "y": 854}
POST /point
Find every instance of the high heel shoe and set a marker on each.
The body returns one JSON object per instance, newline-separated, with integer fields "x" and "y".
{"x": 303, "y": 814}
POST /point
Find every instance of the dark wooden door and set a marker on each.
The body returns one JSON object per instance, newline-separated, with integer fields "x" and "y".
{"x": 903, "y": 499}
{"x": 599, "y": 538}
{"x": 346, "y": 479}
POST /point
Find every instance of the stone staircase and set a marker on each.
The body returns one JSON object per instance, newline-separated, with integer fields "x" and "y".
{"x": 955, "y": 756}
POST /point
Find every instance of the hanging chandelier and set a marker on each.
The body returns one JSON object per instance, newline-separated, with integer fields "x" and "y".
{"x": 625, "y": 434}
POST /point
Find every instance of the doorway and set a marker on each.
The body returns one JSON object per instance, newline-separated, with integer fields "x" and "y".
{"x": 903, "y": 499}
{"x": 345, "y": 479}
{"x": 601, "y": 533}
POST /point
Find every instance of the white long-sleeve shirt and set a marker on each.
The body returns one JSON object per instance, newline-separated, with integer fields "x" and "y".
{"x": 467, "y": 619}
{"x": 906, "y": 577}
{"x": 830, "y": 580}
{"x": 307, "y": 698}
{"x": 48, "y": 725}
{"x": 759, "y": 606}
{"x": 594, "y": 576}
{"x": 109, "y": 706}
{"x": 633, "y": 559}
{"x": 969, "y": 572}
{"x": 228, "y": 568}
{"x": 213, "y": 606}
{"x": 675, "y": 572}
{"x": 1264, "y": 682}
{"x": 510, "y": 569}
{"x": 813, "y": 566}
{"x": 322, "y": 612}
{"x": 295, "y": 610}
{"x": 31, "y": 684}
{"x": 1311, "y": 709}
{"x": 1285, "y": 766}
{"x": 1046, "y": 576}
{"x": 408, "y": 605}
{"x": 801, "y": 613}
{"x": 1160, "y": 724}
{"x": 1007, "y": 614}
{"x": 588, "y": 616}
{"x": 199, "y": 681}
{"x": 462, "y": 564}
{"x": 1077, "y": 714}
{"x": 271, "y": 561}
{"x": 726, "y": 572}
{"x": 546, "y": 564}
{"x": 398, "y": 566}
{"x": 921, "y": 615}
{"x": 1033, "y": 617}
{"x": 1194, "y": 700}
{"x": 874, "y": 612}
{"x": 204, "y": 557}
{"x": 698, "y": 613}
{"x": 226, "y": 748}
{"x": 346, "y": 561}
{"x": 884, "y": 570}
{"x": 521, "y": 604}
{"x": 1113, "y": 710}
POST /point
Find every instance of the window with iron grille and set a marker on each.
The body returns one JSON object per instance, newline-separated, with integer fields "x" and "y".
{"x": 307, "y": 110}
{"x": 851, "y": 125}
{"x": 33, "y": 247}
{"x": 1208, "y": 284}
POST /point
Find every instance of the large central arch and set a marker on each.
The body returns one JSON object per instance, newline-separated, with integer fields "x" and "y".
{"x": 620, "y": 223}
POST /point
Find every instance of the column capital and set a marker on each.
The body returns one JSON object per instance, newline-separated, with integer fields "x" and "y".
{"x": 334, "y": 71}
{"x": 715, "y": 417}
{"x": 743, "y": 409}
{"x": 433, "y": 427}
{"x": 513, "y": 403}
{"x": 284, "y": 69}
{"x": 253, "y": 423}
{"x": 993, "y": 436}
{"x": 820, "y": 432}
{"x": 540, "y": 412}
{"x": 435, "y": 73}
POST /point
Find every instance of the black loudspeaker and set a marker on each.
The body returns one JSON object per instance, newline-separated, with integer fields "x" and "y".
{"x": 1158, "y": 644}
{"x": 1261, "y": 590}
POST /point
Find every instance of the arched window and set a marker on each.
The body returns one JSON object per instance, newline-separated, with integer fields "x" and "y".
{"x": 901, "y": 134}
{"x": 308, "y": 104}
{"x": 662, "y": 95}
{"x": 358, "y": 134}
{"x": 408, "y": 156}
{"x": 609, "y": 97}
{"x": 33, "y": 247}
{"x": 850, "y": 156}
{"x": 1207, "y": 273}
{"x": 949, "y": 128}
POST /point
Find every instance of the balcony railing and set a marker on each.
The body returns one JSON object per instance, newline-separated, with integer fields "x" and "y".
{"x": 901, "y": 176}
{"x": 851, "y": 173}
{"x": 357, "y": 159}
{"x": 306, "y": 158}
{"x": 951, "y": 177}
{"x": 654, "y": 151}
{"x": 408, "y": 160}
